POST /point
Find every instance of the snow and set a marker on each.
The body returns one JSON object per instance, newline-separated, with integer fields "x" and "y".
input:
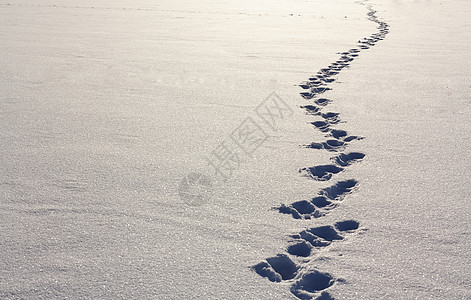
{"x": 105, "y": 108}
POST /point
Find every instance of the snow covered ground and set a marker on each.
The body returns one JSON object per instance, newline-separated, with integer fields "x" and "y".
{"x": 105, "y": 108}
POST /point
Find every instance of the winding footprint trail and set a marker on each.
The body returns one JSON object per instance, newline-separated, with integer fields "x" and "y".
{"x": 306, "y": 282}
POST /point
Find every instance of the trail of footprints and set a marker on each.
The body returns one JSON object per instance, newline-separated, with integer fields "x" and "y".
{"x": 307, "y": 282}
{"x": 293, "y": 266}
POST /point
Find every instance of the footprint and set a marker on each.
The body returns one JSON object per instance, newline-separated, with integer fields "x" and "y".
{"x": 325, "y": 172}
{"x": 327, "y": 80}
{"x": 331, "y": 117}
{"x": 311, "y": 109}
{"x": 315, "y": 80}
{"x": 345, "y": 58}
{"x": 345, "y": 160}
{"x": 338, "y": 134}
{"x": 339, "y": 190}
{"x": 329, "y": 145}
{"x": 322, "y": 172}
{"x": 314, "y": 92}
{"x": 322, "y": 101}
{"x": 352, "y": 137}
{"x": 301, "y": 248}
{"x": 305, "y": 86}
{"x": 334, "y": 145}
{"x": 321, "y": 236}
{"x": 347, "y": 226}
{"x": 277, "y": 268}
{"x": 320, "y": 90}
{"x": 301, "y": 210}
{"x": 311, "y": 283}
{"x": 328, "y": 233}
{"x": 321, "y": 125}
{"x": 307, "y": 95}
{"x": 328, "y": 198}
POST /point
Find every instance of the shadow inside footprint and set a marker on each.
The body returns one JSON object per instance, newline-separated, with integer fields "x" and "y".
{"x": 327, "y": 199}
{"x": 314, "y": 240}
{"x": 338, "y": 190}
{"x": 311, "y": 283}
{"x": 347, "y": 225}
{"x": 303, "y": 207}
{"x": 277, "y": 268}
{"x": 345, "y": 160}
{"x": 328, "y": 233}
{"x": 352, "y": 137}
{"x": 338, "y": 134}
{"x": 284, "y": 266}
{"x": 301, "y": 248}
{"x": 325, "y": 296}
{"x": 322, "y": 101}
{"x": 329, "y": 145}
{"x": 321, "y": 125}
{"x": 311, "y": 109}
{"x": 321, "y": 202}
{"x": 320, "y": 90}
{"x": 331, "y": 117}
{"x": 265, "y": 270}
{"x": 323, "y": 172}
{"x": 300, "y": 210}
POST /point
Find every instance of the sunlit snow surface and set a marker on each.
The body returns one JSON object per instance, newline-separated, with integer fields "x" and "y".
{"x": 106, "y": 106}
